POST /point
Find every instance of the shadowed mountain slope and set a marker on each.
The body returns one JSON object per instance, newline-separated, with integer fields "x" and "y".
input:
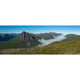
{"x": 6, "y": 37}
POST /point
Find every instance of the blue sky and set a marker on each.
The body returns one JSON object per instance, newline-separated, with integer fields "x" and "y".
{"x": 40, "y": 29}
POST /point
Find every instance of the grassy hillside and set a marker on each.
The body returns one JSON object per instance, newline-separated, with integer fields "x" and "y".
{"x": 59, "y": 48}
{"x": 54, "y": 48}
{"x": 18, "y": 44}
{"x": 72, "y": 37}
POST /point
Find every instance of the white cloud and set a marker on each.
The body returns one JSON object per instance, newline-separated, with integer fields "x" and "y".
{"x": 46, "y": 42}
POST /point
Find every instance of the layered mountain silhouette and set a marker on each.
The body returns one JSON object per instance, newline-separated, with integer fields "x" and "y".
{"x": 6, "y": 37}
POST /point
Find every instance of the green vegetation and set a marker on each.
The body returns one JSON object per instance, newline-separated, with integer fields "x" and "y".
{"x": 26, "y": 43}
{"x": 72, "y": 37}
{"x": 59, "y": 48}
{"x": 54, "y": 48}
{"x": 18, "y": 44}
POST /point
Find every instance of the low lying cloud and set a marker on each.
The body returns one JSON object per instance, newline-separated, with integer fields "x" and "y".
{"x": 46, "y": 42}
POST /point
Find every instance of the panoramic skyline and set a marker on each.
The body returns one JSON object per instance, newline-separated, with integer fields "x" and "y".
{"x": 40, "y": 29}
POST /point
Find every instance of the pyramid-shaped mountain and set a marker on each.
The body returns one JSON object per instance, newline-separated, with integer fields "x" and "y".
{"x": 25, "y": 36}
{"x": 23, "y": 40}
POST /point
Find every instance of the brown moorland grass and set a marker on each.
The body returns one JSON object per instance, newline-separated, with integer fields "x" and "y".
{"x": 53, "y": 48}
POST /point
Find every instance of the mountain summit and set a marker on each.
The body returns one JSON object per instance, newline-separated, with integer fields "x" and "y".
{"x": 25, "y": 36}
{"x": 23, "y": 40}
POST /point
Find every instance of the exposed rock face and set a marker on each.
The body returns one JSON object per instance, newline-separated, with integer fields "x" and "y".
{"x": 25, "y": 36}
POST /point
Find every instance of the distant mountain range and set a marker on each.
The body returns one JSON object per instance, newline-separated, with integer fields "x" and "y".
{"x": 31, "y": 41}
{"x": 48, "y": 36}
{"x": 6, "y": 37}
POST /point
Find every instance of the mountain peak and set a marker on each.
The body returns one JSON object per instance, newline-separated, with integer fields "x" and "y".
{"x": 25, "y": 36}
{"x": 24, "y": 32}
